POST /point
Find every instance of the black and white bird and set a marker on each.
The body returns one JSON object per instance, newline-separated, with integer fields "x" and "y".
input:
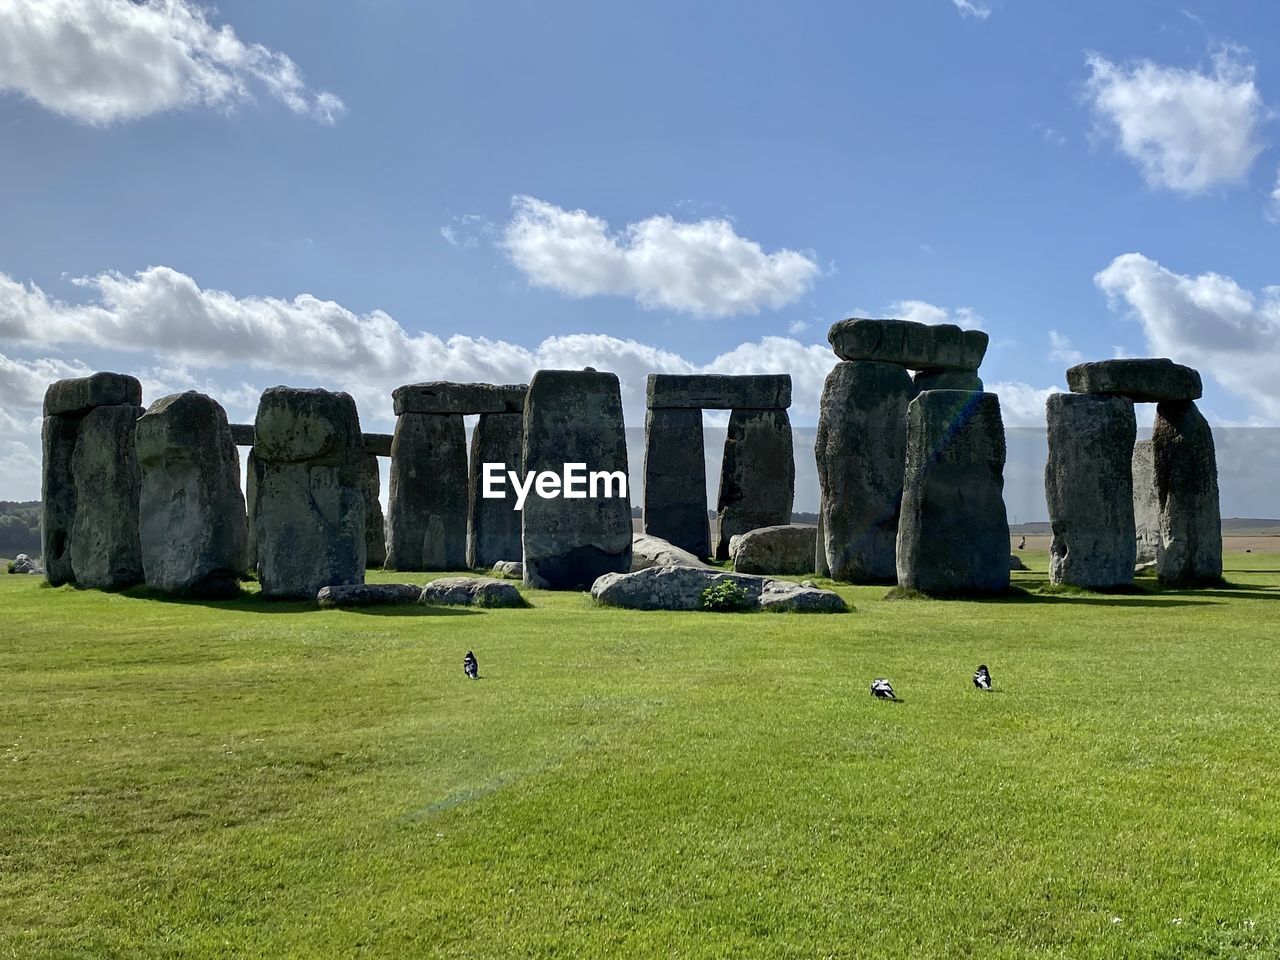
{"x": 982, "y": 677}
{"x": 470, "y": 665}
{"x": 881, "y": 689}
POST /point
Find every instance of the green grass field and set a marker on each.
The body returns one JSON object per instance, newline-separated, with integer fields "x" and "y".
{"x": 245, "y": 779}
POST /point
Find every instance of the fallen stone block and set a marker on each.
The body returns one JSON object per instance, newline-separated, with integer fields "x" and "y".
{"x": 368, "y": 594}
{"x": 472, "y": 592}
{"x": 783, "y": 549}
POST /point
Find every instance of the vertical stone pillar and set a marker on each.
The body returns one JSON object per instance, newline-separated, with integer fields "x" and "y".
{"x": 308, "y": 506}
{"x": 675, "y": 479}
{"x": 250, "y": 498}
{"x": 375, "y": 539}
{"x": 575, "y": 416}
{"x": 493, "y": 527}
{"x": 953, "y": 533}
{"x": 1146, "y": 503}
{"x": 1186, "y": 481}
{"x": 428, "y": 496}
{"x": 191, "y": 524}
{"x": 860, "y": 449}
{"x": 1088, "y": 484}
{"x": 90, "y": 482}
{"x": 758, "y": 476}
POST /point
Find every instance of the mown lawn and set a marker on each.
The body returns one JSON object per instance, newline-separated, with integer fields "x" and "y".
{"x": 250, "y": 780}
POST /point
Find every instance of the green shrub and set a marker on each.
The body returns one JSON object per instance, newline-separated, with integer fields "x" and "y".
{"x": 725, "y": 596}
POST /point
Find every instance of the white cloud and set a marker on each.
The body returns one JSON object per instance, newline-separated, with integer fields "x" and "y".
{"x": 1207, "y": 321}
{"x": 106, "y": 61}
{"x": 797, "y": 327}
{"x": 968, "y": 8}
{"x": 1187, "y": 131}
{"x": 1021, "y": 405}
{"x": 703, "y": 267}
{"x": 921, "y": 311}
{"x": 1061, "y": 351}
{"x": 467, "y": 230}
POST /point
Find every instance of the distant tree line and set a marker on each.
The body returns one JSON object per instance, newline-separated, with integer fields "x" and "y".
{"x": 19, "y": 528}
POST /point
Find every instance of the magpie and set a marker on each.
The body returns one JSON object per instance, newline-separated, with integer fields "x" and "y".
{"x": 881, "y": 689}
{"x": 471, "y": 667}
{"x": 982, "y": 677}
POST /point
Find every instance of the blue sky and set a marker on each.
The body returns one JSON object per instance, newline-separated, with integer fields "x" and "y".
{"x": 360, "y": 194}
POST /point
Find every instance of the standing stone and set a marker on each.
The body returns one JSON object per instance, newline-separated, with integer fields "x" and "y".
{"x": 820, "y": 564}
{"x": 675, "y": 479}
{"x": 953, "y": 534}
{"x": 575, "y": 416}
{"x": 308, "y": 509}
{"x": 1186, "y": 479}
{"x": 860, "y": 449}
{"x": 375, "y": 533}
{"x": 428, "y": 500}
{"x": 493, "y": 524}
{"x": 250, "y": 498}
{"x": 757, "y": 477}
{"x": 58, "y": 498}
{"x": 1146, "y": 503}
{"x": 1088, "y": 484}
{"x": 105, "y": 551}
{"x": 191, "y": 521}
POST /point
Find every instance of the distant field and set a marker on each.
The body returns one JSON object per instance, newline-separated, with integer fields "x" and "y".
{"x": 1264, "y": 543}
{"x": 245, "y": 779}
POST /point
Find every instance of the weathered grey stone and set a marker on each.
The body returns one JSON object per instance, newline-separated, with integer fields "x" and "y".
{"x": 57, "y": 498}
{"x": 783, "y": 596}
{"x": 23, "y": 564}
{"x": 250, "y": 498}
{"x": 427, "y": 506}
{"x": 78, "y": 395}
{"x": 649, "y": 551}
{"x": 191, "y": 520}
{"x": 368, "y": 594}
{"x": 946, "y": 380}
{"x": 1186, "y": 479}
{"x": 443, "y": 397}
{"x": 953, "y": 534}
{"x": 375, "y": 529}
{"x": 509, "y": 569}
{"x": 241, "y": 434}
{"x": 493, "y": 526}
{"x": 786, "y": 548}
{"x": 575, "y": 416}
{"x": 1146, "y": 503}
{"x": 105, "y": 551}
{"x": 308, "y": 506}
{"x": 472, "y": 592}
{"x": 919, "y": 346}
{"x": 675, "y": 479}
{"x": 1088, "y": 485}
{"x": 1015, "y": 562}
{"x": 757, "y": 476}
{"x": 713, "y": 391}
{"x": 860, "y": 450}
{"x": 1142, "y": 380}
{"x": 378, "y": 444}
{"x": 681, "y": 588}
{"x": 820, "y": 565}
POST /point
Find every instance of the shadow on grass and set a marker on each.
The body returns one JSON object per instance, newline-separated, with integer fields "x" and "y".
{"x": 256, "y": 603}
{"x": 1130, "y": 597}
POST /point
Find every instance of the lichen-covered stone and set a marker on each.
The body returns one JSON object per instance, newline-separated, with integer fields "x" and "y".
{"x": 191, "y": 526}
{"x": 575, "y": 416}
{"x": 443, "y": 397}
{"x": 784, "y": 549}
{"x": 58, "y": 498}
{"x": 860, "y": 450}
{"x": 713, "y": 391}
{"x": 918, "y": 346}
{"x": 650, "y": 551}
{"x": 675, "y": 481}
{"x": 1088, "y": 483}
{"x": 1146, "y": 503}
{"x": 493, "y": 526}
{"x": 946, "y": 380}
{"x": 368, "y": 594}
{"x": 427, "y": 506}
{"x": 1186, "y": 478}
{"x": 682, "y": 588}
{"x": 953, "y": 533}
{"x": 472, "y": 592}
{"x": 105, "y": 550}
{"x": 76, "y": 396}
{"x": 757, "y": 475}
{"x": 1141, "y": 380}
{"x": 375, "y": 528}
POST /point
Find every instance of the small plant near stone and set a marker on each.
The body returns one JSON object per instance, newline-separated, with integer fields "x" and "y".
{"x": 725, "y": 597}
{"x": 13, "y": 566}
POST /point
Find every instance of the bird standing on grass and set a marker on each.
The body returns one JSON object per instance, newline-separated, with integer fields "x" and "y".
{"x": 982, "y": 677}
{"x": 470, "y": 665}
{"x": 881, "y": 689}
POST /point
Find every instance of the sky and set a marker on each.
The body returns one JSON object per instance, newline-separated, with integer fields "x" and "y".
{"x": 365, "y": 193}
